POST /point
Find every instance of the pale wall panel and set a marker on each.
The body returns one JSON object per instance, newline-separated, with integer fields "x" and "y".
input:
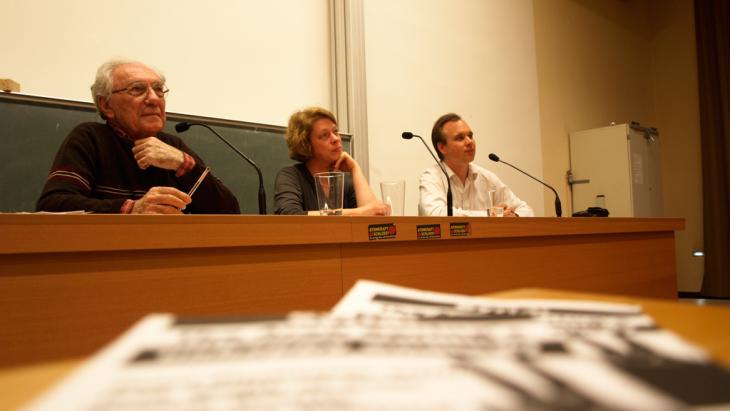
{"x": 425, "y": 58}
{"x": 245, "y": 59}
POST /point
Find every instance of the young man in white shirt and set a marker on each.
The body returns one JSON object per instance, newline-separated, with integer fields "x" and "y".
{"x": 474, "y": 189}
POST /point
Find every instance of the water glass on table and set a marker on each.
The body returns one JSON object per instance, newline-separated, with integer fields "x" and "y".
{"x": 394, "y": 194}
{"x": 330, "y": 192}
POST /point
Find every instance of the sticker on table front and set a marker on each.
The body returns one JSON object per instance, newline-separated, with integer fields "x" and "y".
{"x": 459, "y": 229}
{"x": 428, "y": 231}
{"x": 381, "y": 231}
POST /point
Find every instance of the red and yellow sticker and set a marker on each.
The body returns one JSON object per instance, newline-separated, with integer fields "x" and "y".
{"x": 381, "y": 231}
{"x": 459, "y": 229}
{"x": 428, "y": 231}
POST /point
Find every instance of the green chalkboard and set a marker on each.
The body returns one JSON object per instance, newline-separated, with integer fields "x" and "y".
{"x": 32, "y": 128}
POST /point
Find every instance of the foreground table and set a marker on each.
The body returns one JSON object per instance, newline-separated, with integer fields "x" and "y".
{"x": 701, "y": 325}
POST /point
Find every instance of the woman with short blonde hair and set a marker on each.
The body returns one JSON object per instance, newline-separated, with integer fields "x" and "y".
{"x": 314, "y": 140}
{"x": 299, "y": 129}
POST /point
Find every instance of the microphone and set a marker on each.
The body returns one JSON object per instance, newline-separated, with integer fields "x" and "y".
{"x": 558, "y": 206}
{"x": 184, "y": 126}
{"x": 407, "y": 135}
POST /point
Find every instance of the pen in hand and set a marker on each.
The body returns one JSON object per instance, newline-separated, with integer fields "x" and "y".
{"x": 200, "y": 180}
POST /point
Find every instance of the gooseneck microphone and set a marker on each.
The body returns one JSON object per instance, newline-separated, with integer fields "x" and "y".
{"x": 558, "y": 205}
{"x": 184, "y": 126}
{"x": 407, "y": 135}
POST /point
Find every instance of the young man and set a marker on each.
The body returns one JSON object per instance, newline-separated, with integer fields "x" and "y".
{"x": 474, "y": 189}
{"x": 128, "y": 165}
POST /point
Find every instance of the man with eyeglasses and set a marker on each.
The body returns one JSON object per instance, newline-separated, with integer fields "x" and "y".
{"x": 128, "y": 165}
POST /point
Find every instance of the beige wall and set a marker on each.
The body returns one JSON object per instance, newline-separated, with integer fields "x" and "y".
{"x": 676, "y": 102}
{"x": 604, "y": 61}
{"x": 245, "y": 60}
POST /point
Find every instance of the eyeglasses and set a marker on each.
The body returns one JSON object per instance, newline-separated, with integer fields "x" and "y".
{"x": 140, "y": 88}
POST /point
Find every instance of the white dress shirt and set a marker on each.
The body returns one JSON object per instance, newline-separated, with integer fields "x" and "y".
{"x": 471, "y": 198}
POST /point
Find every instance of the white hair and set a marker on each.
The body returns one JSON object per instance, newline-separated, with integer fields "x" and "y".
{"x": 102, "y": 86}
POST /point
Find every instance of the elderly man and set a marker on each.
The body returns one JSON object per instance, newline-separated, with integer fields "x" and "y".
{"x": 474, "y": 189}
{"x": 128, "y": 165}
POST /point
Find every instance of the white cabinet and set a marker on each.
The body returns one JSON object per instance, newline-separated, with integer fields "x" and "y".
{"x": 622, "y": 163}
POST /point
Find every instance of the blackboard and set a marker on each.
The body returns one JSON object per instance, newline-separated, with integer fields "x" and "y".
{"x": 32, "y": 128}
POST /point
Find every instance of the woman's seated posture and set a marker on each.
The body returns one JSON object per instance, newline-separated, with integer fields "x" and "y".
{"x": 314, "y": 141}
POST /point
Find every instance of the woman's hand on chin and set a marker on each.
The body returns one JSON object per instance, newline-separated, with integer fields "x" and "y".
{"x": 345, "y": 163}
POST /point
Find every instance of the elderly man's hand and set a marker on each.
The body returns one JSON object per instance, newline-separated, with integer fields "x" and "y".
{"x": 161, "y": 200}
{"x": 151, "y": 151}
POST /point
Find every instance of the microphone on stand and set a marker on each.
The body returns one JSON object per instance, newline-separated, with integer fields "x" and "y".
{"x": 407, "y": 135}
{"x": 558, "y": 206}
{"x": 184, "y": 126}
